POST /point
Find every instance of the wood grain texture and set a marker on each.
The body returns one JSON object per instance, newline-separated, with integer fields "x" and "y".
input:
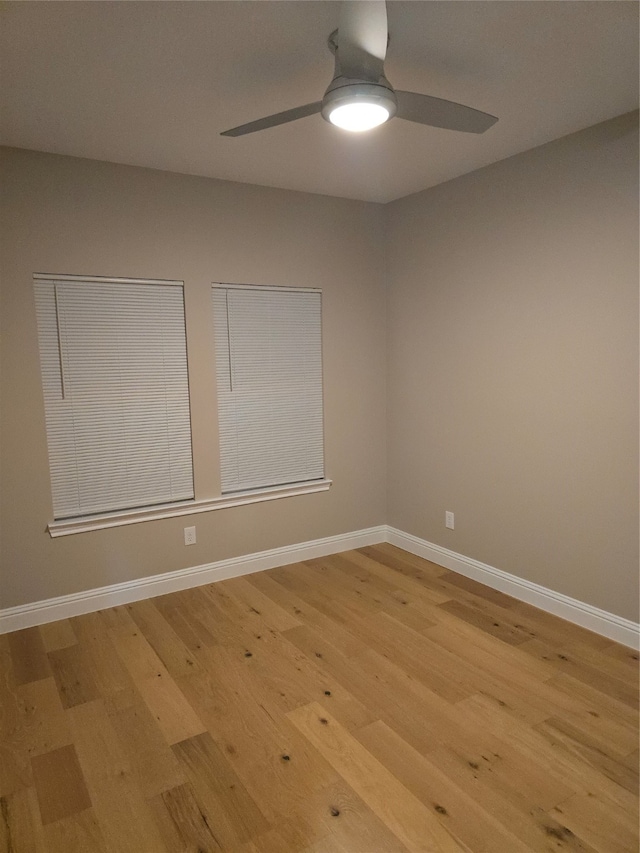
{"x": 413, "y": 824}
{"x": 369, "y": 702}
{"x": 59, "y": 784}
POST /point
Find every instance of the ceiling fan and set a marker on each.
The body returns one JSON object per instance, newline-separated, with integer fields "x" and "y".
{"x": 360, "y": 97}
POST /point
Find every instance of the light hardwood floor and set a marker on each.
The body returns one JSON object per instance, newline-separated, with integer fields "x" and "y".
{"x": 369, "y": 702}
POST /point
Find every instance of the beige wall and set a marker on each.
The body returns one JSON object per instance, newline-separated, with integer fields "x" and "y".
{"x": 513, "y": 365}
{"x": 66, "y": 215}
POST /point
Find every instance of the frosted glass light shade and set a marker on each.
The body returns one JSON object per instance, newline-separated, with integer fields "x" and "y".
{"x": 358, "y": 116}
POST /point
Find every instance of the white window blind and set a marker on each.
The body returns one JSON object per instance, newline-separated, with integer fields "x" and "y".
{"x": 116, "y": 393}
{"x": 269, "y": 380}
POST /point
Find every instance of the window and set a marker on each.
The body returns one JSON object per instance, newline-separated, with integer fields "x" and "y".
{"x": 116, "y": 393}
{"x": 113, "y": 354}
{"x": 269, "y": 381}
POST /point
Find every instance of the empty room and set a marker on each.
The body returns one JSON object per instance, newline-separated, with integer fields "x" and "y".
{"x": 319, "y": 514}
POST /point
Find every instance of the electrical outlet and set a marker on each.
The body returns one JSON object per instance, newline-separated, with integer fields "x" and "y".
{"x": 448, "y": 520}
{"x": 189, "y": 536}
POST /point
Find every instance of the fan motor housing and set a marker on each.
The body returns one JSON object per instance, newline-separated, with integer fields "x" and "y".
{"x": 346, "y": 91}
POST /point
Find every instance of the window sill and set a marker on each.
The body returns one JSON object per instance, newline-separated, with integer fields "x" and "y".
{"x": 118, "y": 519}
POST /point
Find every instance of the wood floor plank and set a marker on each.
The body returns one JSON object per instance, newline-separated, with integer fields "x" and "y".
{"x": 59, "y": 784}
{"x": 425, "y": 719}
{"x": 526, "y": 686}
{"x": 622, "y": 689}
{"x": 357, "y": 584}
{"x": 289, "y": 836}
{"x": 78, "y": 833}
{"x": 372, "y": 685}
{"x": 73, "y": 673}
{"x": 362, "y": 586}
{"x": 608, "y": 826}
{"x": 150, "y": 758}
{"x": 551, "y": 628}
{"x": 342, "y": 607}
{"x": 484, "y": 609}
{"x": 176, "y": 718}
{"x": 413, "y": 824}
{"x": 122, "y": 811}
{"x": 109, "y": 673}
{"x": 458, "y": 811}
{"x": 207, "y": 610}
{"x": 335, "y": 820}
{"x": 135, "y": 652}
{"x": 231, "y": 814}
{"x": 490, "y": 610}
{"x": 597, "y": 699}
{"x": 457, "y": 719}
{"x": 396, "y": 599}
{"x": 20, "y": 824}
{"x": 291, "y": 679}
{"x": 15, "y": 763}
{"x": 188, "y": 627}
{"x": 624, "y": 654}
{"x": 632, "y": 761}
{"x": 494, "y": 623}
{"x": 402, "y": 561}
{"x": 623, "y": 669}
{"x": 333, "y": 631}
{"x": 116, "y": 619}
{"x": 493, "y": 596}
{"x": 275, "y": 763}
{"x": 327, "y": 845}
{"x": 462, "y": 638}
{"x": 346, "y": 574}
{"x": 58, "y": 635}
{"x": 541, "y": 785}
{"x": 535, "y": 749}
{"x": 43, "y": 726}
{"x": 532, "y": 825}
{"x": 251, "y": 603}
{"x": 339, "y": 817}
{"x": 591, "y": 750}
{"x": 167, "y": 645}
{"x": 410, "y": 580}
{"x": 181, "y": 821}
{"x": 417, "y": 655}
{"x": 28, "y": 656}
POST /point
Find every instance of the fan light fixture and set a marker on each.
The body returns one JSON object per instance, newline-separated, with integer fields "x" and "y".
{"x": 359, "y": 96}
{"x": 358, "y": 106}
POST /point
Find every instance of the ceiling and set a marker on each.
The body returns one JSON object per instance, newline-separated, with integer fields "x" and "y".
{"x": 154, "y": 83}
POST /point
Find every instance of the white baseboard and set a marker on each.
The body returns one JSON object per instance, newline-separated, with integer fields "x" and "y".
{"x": 600, "y": 621}
{"x": 40, "y": 612}
{"x": 88, "y": 601}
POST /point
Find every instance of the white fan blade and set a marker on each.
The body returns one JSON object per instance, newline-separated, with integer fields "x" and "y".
{"x": 274, "y": 120}
{"x": 436, "y": 112}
